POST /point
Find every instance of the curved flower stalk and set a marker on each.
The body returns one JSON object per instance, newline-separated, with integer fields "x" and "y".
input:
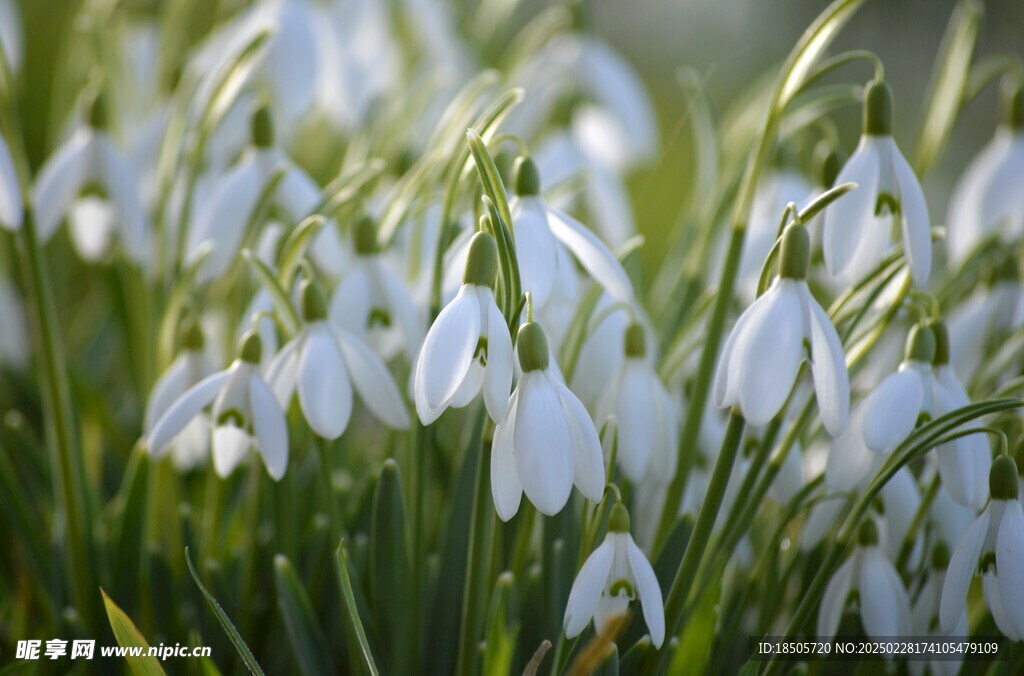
{"x": 547, "y": 441}
{"x": 372, "y": 302}
{"x": 191, "y": 446}
{"x": 616, "y": 573}
{"x": 992, "y": 547}
{"x": 648, "y": 429}
{"x": 468, "y": 348}
{"x": 11, "y": 207}
{"x": 324, "y": 364}
{"x": 545, "y": 237}
{"x": 925, "y": 615}
{"x": 91, "y": 182}
{"x": 762, "y": 356}
{"x": 245, "y": 415}
{"x": 987, "y": 201}
{"x": 859, "y": 225}
{"x": 882, "y": 601}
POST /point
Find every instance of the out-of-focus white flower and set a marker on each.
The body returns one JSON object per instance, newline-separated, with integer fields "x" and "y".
{"x": 245, "y": 415}
{"x": 616, "y": 573}
{"x": 10, "y": 33}
{"x": 324, "y": 365}
{"x": 859, "y": 225}
{"x": 984, "y": 317}
{"x": 988, "y": 200}
{"x": 89, "y": 180}
{"x": 762, "y": 356}
{"x": 468, "y": 348}
{"x": 547, "y": 441}
{"x": 925, "y": 614}
{"x": 11, "y": 207}
{"x": 992, "y": 547}
{"x": 15, "y": 348}
{"x": 882, "y": 599}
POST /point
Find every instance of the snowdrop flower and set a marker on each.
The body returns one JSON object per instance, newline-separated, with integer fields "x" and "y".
{"x": 245, "y": 415}
{"x": 89, "y": 180}
{"x": 992, "y": 547}
{"x": 648, "y": 434}
{"x": 11, "y": 208}
{"x": 469, "y": 347}
{"x": 10, "y": 33}
{"x": 859, "y": 225}
{"x": 762, "y": 356}
{"x": 925, "y": 615}
{"x": 988, "y": 201}
{"x": 324, "y": 364}
{"x": 615, "y": 574}
{"x": 191, "y": 445}
{"x": 984, "y": 317}
{"x": 547, "y": 441}
{"x": 544, "y": 238}
{"x": 882, "y": 600}
{"x": 373, "y": 304}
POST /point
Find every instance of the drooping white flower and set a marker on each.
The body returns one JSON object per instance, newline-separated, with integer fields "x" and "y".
{"x": 191, "y": 446}
{"x": 11, "y": 207}
{"x": 245, "y": 415}
{"x": 11, "y": 40}
{"x": 469, "y": 347}
{"x": 992, "y": 310}
{"x": 90, "y": 181}
{"x": 324, "y": 364}
{"x": 925, "y": 615}
{"x": 648, "y": 433}
{"x": 547, "y": 441}
{"x": 545, "y": 237}
{"x": 372, "y": 303}
{"x": 882, "y": 600}
{"x": 616, "y": 573}
{"x": 888, "y": 197}
{"x": 762, "y": 356}
{"x": 603, "y": 350}
{"x": 992, "y": 547}
{"x": 988, "y": 201}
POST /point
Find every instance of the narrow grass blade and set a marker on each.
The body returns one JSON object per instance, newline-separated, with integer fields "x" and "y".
{"x": 299, "y": 622}
{"x": 353, "y": 611}
{"x": 128, "y": 636}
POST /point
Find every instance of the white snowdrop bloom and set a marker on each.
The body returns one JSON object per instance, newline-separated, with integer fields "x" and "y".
{"x": 900, "y": 498}
{"x": 882, "y": 601}
{"x": 11, "y": 40}
{"x": 984, "y": 317}
{"x": 468, "y": 348}
{"x": 245, "y": 415}
{"x": 89, "y": 180}
{"x": 191, "y": 446}
{"x": 11, "y": 207}
{"x": 762, "y": 356}
{"x": 616, "y": 573}
{"x": 636, "y": 397}
{"x": 988, "y": 201}
{"x": 925, "y": 615}
{"x": 992, "y": 547}
{"x": 324, "y": 364}
{"x": 372, "y": 302}
{"x": 547, "y": 441}
{"x": 545, "y": 237}
{"x": 603, "y": 351}
{"x": 15, "y": 348}
{"x": 950, "y": 518}
{"x": 859, "y": 225}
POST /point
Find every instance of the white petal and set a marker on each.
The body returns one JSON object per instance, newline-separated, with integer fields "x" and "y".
{"x": 635, "y": 414}
{"x": 171, "y": 385}
{"x": 60, "y": 180}
{"x": 543, "y": 444}
{"x": 587, "y": 589}
{"x": 962, "y": 565}
{"x": 828, "y": 365}
{"x": 353, "y": 300}
{"x": 723, "y": 395}
{"x": 283, "y": 369}
{"x": 447, "y": 354}
{"x": 270, "y": 427}
{"x": 592, "y": 254}
{"x": 649, "y": 591}
{"x": 506, "y": 488}
{"x": 92, "y": 223}
{"x": 535, "y": 247}
{"x": 1010, "y": 564}
{"x": 821, "y": 518}
{"x": 11, "y": 208}
{"x": 121, "y": 181}
{"x": 833, "y": 601}
{"x": 846, "y": 217}
{"x": 498, "y": 373}
{"x": 892, "y": 409}
{"x": 230, "y": 446}
{"x": 588, "y": 460}
{"x": 325, "y": 392}
{"x": 404, "y": 310}
{"x": 187, "y": 406}
{"x": 996, "y": 600}
{"x": 917, "y": 237}
{"x": 221, "y": 220}
{"x": 965, "y": 225}
{"x": 884, "y": 608}
{"x": 849, "y": 459}
{"x": 373, "y": 382}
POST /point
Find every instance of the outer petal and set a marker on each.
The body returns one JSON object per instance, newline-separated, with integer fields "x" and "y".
{"x": 588, "y": 460}
{"x": 60, "y": 180}
{"x": 373, "y": 382}
{"x": 506, "y": 489}
{"x": 966, "y": 227}
{"x": 849, "y": 459}
{"x": 846, "y": 217}
{"x": 1010, "y": 564}
{"x": 828, "y": 365}
{"x": 592, "y": 254}
{"x": 723, "y": 395}
{"x": 270, "y": 427}
{"x": 587, "y": 589}
{"x": 535, "y": 247}
{"x": 120, "y": 178}
{"x": 649, "y": 591}
{"x": 498, "y": 372}
{"x": 283, "y": 369}
{"x": 997, "y": 603}
{"x": 637, "y": 423}
{"x": 833, "y": 601}
{"x": 917, "y": 236}
{"x": 447, "y": 354}
{"x": 892, "y": 409}
{"x": 11, "y": 208}
{"x": 325, "y": 392}
{"x": 884, "y": 608}
{"x": 221, "y": 220}
{"x": 962, "y": 566}
{"x": 187, "y": 406}
{"x": 543, "y": 443}
{"x": 406, "y": 314}
{"x": 169, "y": 387}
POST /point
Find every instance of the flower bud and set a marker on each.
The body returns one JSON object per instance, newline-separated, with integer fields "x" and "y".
{"x": 867, "y": 535}
{"x": 795, "y": 256}
{"x": 482, "y": 261}
{"x": 1013, "y": 105}
{"x": 314, "y": 302}
{"x": 618, "y": 520}
{"x": 920, "y": 344}
{"x": 827, "y": 163}
{"x": 878, "y": 109}
{"x": 262, "y": 128}
{"x": 250, "y": 348}
{"x": 364, "y": 236}
{"x": 192, "y": 335}
{"x": 527, "y": 178}
{"x": 1003, "y": 481}
{"x": 636, "y": 341}
{"x": 940, "y": 556}
{"x": 533, "y": 347}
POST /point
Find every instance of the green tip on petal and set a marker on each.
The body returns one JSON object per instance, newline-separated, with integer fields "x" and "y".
{"x": 364, "y": 236}
{"x": 827, "y": 163}
{"x": 482, "y": 261}
{"x": 940, "y": 556}
{"x": 636, "y": 341}
{"x": 618, "y": 520}
{"x": 192, "y": 335}
{"x": 878, "y": 109}
{"x": 921, "y": 344}
{"x": 96, "y": 109}
{"x": 941, "y": 342}
{"x": 533, "y": 347}
{"x": 250, "y": 348}
{"x": 314, "y": 301}
{"x": 262, "y": 128}
{"x": 795, "y": 256}
{"x": 1013, "y": 104}
{"x": 527, "y": 177}
{"x": 1003, "y": 480}
{"x": 867, "y": 536}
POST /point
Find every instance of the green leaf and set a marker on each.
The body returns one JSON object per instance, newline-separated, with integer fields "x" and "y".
{"x": 225, "y": 622}
{"x": 502, "y": 627}
{"x": 128, "y": 636}
{"x": 390, "y": 572}
{"x": 295, "y": 247}
{"x": 131, "y": 522}
{"x": 287, "y": 313}
{"x": 353, "y": 611}
{"x": 307, "y": 639}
